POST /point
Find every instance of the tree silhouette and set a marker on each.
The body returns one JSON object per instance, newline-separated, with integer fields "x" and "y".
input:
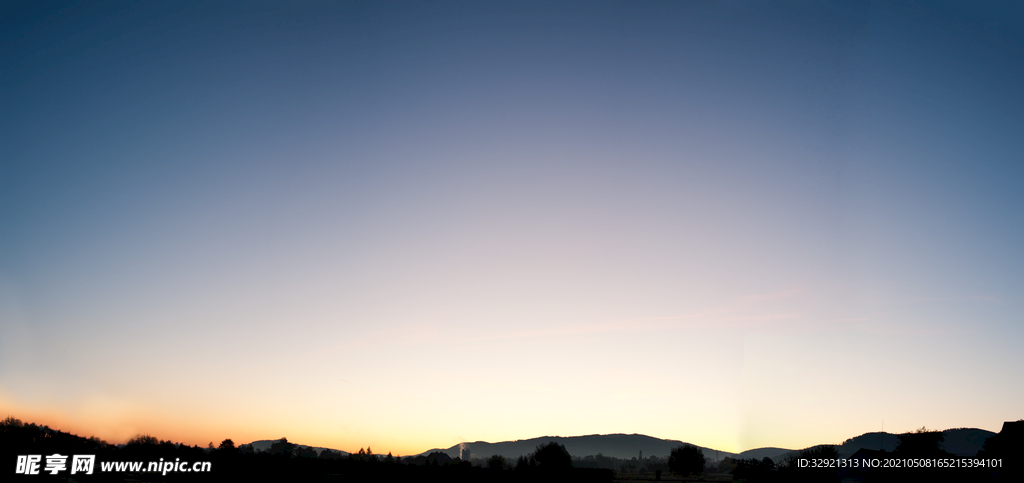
{"x": 282, "y": 447}
{"x": 753, "y": 470}
{"x": 920, "y": 443}
{"x": 143, "y": 439}
{"x": 496, "y": 462}
{"x": 686, "y": 460}
{"x": 524, "y": 463}
{"x": 823, "y": 452}
{"x": 552, "y": 456}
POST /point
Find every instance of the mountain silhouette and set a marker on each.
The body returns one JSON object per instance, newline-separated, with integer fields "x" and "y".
{"x": 965, "y": 441}
{"x": 264, "y": 445}
{"x": 959, "y": 441}
{"x": 760, "y": 453}
{"x": 613, "y": 445}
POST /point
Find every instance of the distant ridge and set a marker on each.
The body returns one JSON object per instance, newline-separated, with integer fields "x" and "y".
{"x": 614, "y": 445}
{"x": 959, "y": 441}
{"x": 965, "y": 441}
{"x": 761, "y": 453}
{"x": 264, "y": 444}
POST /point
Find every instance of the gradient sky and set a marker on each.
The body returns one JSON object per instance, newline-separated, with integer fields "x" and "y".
{"x": 407, "y": 225}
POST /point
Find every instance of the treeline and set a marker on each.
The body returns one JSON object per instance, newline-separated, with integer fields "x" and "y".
{"x": 598, "y": 461}
{"x": 283, "y": 461}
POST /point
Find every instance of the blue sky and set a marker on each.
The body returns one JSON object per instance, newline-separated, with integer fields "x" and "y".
{"x": 733, "y": 224}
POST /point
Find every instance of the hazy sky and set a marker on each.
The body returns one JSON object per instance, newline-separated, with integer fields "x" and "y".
{"x": 407, "y": 225}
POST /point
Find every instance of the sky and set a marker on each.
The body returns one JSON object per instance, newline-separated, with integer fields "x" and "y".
{"x": 409, "y": 225}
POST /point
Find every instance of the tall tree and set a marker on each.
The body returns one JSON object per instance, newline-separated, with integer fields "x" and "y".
{"x": 552, "y": 456}
{"x": 686, "y": 460}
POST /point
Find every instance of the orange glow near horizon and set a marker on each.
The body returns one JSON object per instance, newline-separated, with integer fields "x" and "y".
{"x": 119, "y": 428}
